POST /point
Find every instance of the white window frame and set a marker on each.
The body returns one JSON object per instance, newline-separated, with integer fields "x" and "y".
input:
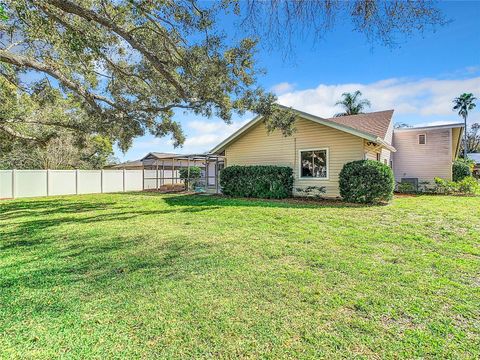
{"x": 327, "y": 152}
{"x": 425, "y": 137}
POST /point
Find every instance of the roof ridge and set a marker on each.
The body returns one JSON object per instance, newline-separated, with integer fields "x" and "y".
{"x": 367, "y": 113}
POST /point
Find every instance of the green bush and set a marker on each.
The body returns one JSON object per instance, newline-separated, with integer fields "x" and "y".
{"x": 405, "y": 188}
{"x": 466, "y": 186}
{"x": 270, "y": 182}
{"x": 366, "y": 181}
{"x": 461, "y": 169}
{"x": 190, "y": 177}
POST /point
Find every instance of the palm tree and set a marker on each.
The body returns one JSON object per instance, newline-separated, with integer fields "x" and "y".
{"x": 464, "y": 103}
{"x": 352, "y": 104}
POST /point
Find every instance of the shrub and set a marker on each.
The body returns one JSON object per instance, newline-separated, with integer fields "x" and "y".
{"x": 311, "y": 191}
{"x": 461, "y": 169}
{"x": 366, "y": 181}
{"x": 270, "y": 182}
{"x": 405, "y": 188}
{"x": 466, "y": 186}
{"x": 190, "y": 177}
{"x": 443, "y": 186}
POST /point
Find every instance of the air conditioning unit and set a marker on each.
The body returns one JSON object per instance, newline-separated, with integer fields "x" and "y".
{"x": 412, "y": 181}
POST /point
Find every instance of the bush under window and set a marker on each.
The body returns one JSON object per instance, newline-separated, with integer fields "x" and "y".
{"x": 366, "y": 181}
{"x": 270, "y": 182}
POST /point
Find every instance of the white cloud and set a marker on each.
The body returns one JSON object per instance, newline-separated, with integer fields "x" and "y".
{"x": 209, "y": 133}
{"x": 416, "y": 100}
{"x": 421, "y": 102}
{"x": 282, "y": 88}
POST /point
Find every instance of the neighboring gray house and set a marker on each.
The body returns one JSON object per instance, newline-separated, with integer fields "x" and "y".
{"x": 424, "y": 153}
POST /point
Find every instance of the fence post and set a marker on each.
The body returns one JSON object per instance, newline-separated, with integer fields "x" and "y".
{"x": 48, "y": 182}
{"x": 101, "y": 181}
{"x": 123, "y": 179}
{"x": 76, "y": 181}
{"x": 156, "y": 174}
{"x": 14, "y": 183}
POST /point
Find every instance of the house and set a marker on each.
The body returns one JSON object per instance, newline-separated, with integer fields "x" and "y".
{"x": 127, "y": 165}
{"x": 424, "y": 153}
{"x": 320, "y": 147}
{"x": 476, "y": 168}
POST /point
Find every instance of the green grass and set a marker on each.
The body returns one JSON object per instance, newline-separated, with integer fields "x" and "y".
{"x": 171, "y": 276}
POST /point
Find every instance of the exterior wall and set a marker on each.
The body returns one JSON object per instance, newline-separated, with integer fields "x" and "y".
{"x": 256, "y": 147}
{"x": 425, "y": 162}
{"x": 386, "y": 155}
{"x": 456, "y": 139}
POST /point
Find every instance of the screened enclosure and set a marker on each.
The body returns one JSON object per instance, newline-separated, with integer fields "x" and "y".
{"x": 162, "y": 172}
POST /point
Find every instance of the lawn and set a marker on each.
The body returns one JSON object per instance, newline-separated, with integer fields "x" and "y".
{"x": 181, "y": 276}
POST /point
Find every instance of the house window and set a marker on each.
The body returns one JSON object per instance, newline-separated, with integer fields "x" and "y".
{"x": 422, "y": 139}
{"x": 314, "y": 164}
{"x": 378, "y": 156}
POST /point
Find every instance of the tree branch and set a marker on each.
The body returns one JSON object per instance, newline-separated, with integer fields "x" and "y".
{"x": 24, "y": 61}
{"x": 12, "y": 132}
{"x": 89, "y": 15}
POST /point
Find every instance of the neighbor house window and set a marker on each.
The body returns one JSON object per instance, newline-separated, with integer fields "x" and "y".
{"x": 422, "y": 139}
{"x": 314, "y": 164}
{"x": 378, "y": 156}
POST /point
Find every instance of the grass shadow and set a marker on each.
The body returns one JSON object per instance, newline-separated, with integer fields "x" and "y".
{"x": 222, "y": 201}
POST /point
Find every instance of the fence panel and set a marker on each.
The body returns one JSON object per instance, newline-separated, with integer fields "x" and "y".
{"x": 133, "y": 180}
{"x": 112, "y": 181}
{"x": 6, "y": 185}
{"x": 62, "y": 182}
{"x": 30, "y": 183}
{"x": 89, "y": 181}
{"x": 33, "y": 183}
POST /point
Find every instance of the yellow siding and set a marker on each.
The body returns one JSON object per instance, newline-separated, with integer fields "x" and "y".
{"x": 455, "y": 140}
{"x": 386, "y": 155}
{"x": 256, "y": 147}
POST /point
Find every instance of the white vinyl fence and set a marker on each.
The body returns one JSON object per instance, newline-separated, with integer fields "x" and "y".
{"x": 32, "y": 183}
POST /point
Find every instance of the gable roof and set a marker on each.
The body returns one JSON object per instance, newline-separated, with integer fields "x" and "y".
{"x": 159, "y": 155}
{"x": 127, "y": 163}
{"x": 351, "y": 128}
{"x": 375, "y": 123}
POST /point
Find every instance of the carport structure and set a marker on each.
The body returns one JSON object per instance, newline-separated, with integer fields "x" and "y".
{"x": 161, "y": 171}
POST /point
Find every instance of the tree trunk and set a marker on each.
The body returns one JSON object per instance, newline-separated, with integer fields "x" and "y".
{"x": 465, "y": 145}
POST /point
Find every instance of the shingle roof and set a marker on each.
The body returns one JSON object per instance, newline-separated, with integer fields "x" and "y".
{"x": 372, "y": 126}
{"x": 375, "y": 123}
{"x": 160, "y": 155}
{"x": 127, "y": 163}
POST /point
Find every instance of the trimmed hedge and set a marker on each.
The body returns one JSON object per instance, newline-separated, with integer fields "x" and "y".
{"x": 269, "y": 182}
{"x": 460, "y": 170}
{"x": 366, "y": 181}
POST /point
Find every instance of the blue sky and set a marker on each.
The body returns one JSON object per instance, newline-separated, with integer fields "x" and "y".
{"x": 418, "y": 79}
